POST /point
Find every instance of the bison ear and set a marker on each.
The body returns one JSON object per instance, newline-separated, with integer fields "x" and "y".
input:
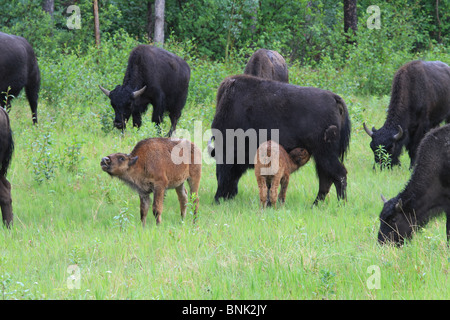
{"x": 107, "y": 92}
{"x": 132, "y": 161}
{"x": 139, "y": 92}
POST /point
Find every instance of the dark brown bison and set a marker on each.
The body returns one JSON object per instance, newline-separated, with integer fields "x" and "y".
{"x": 18, "y": 69}
{"x": 251, "y": 109}
{"x": 427, "y": 193}
{"x": 267, "y": 64}
{"x": 154, "y": 76}
{"x": 6, "y": 151}
{"x": 273, "y": 167}
{"x": 420, "y": 101}
{"x": 155, "y": 165}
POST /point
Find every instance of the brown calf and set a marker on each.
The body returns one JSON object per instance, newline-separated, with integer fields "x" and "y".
{"x": 273, "y": 166}
{"x": 155, "y": 165}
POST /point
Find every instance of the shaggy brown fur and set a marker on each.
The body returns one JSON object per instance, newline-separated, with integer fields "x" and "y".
{"x": 273, "y": 166}
{"x": 155, "y": 165}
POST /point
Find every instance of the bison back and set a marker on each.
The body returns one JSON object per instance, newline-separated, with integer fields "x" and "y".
{"x": 18, "y": 64}
{"x": 301, "y": 114}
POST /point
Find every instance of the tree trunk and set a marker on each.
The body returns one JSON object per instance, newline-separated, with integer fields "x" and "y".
{"x": 49, "y": 7}
{"x": 159, "y": 21}
{"x": 350, "y": 20}
{"x": 96, "y": 25}
{"x": 150, "y": 19}
{"x": 438, "y": 22}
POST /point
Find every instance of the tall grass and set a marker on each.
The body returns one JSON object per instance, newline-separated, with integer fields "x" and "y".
{"x": 78, "y": 217}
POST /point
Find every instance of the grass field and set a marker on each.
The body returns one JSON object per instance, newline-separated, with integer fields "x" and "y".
{"x": 77, "y": 233}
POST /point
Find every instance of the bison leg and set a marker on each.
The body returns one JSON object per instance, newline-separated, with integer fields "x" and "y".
{"x": 32, "y": 96}
{"x": 284, "y": 185}
{"x": 329, "y": 171}
{"x": 182, "y": 198}
{"x": 137, "y": 119}
{"x": 158, "y": 199}
{"x": 228, "y": 176}
{"x": 194, "y": 184}
{"x": 145, "y": 204}
{"x": 158, "y": 109}
{"x": 273, "y": 192}
{"x": 6, "y": 202}
{"x": 262, "y": 186}
{"x": 173, "y": 121}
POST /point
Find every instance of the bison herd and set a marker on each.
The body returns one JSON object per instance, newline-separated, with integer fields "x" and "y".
{"x": 261, "y": 121}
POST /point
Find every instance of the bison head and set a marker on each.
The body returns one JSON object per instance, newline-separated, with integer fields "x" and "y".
{"x": 117, "y": 164}
{"x": 396, "y": 224}
{"x": 122, "y": 98}
{"x": 388, "y": 142}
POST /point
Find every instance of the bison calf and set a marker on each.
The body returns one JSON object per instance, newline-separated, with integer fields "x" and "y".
{"x": 155, "y": 165}
{"x": 273, "y": 166}
{"x": 426, "y": 194}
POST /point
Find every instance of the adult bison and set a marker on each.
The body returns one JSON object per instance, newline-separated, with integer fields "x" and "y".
{"x": 250, "y": 110}
{"x": 426, "y": 194}
{"x": 154, "y": 76}
{"x": 267, "y": 64}
{"x": 18, "y": 69}
{"x": 6, "y": 150}
{"x": 420, "y": 101}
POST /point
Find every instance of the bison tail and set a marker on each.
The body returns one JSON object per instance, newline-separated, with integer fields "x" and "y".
{"x": 7, "y": 155}
{"x": 344, "y": 142}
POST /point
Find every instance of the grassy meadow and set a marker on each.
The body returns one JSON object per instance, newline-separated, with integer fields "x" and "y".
{"x": 77, "y": 232}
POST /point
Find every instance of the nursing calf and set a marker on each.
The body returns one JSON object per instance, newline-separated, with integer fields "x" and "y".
{"x": 155, "y": 165}
{"x": 273, "y": 166}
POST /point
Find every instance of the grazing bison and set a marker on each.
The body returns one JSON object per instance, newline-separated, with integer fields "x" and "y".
{"x": 249, "y": 109}
{"x": 18, "y": 69}
{"x": 273, "y": 166}
{"x": 420, "y": 101}
{"x": 155, "y": 165}
{"x": 267, "y": 64}
{"x": 426, "y": 194}
{"x": 154, "y": 76}
{"x": 6, "y": 150}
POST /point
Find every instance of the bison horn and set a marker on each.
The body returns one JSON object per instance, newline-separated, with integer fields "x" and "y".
{"x": 139, "y": 92}
{"x": 210, "y": 147}
{"x": 107, "y": 92}
{"x": 383, "y": 198}
{"x": 399, "y": 134}
{"x": 369, "y": 132}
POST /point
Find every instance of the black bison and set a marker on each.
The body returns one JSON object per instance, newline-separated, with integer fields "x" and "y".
{"x": 18, "y": 69}
{"x": 273, "y": 167}
{"x": 427, "y": 193}
{"x": 155, "y": 165}
{"x": 267, "y": 64}
{"x": 420, "y": 101}
{"x": 250, "y": 108}
{"x": 154, "y": 76}
{"x": 6, "y": 151}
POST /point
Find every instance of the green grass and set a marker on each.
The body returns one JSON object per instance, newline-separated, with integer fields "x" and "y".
{"x": 80, "y": 216}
